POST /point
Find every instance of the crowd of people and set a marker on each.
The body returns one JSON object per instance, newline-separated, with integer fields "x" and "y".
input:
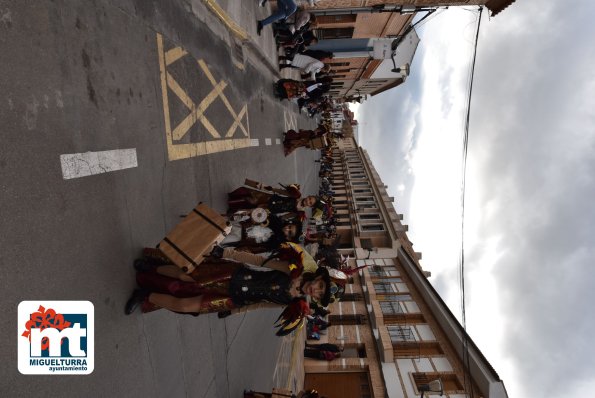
{"x": 264, "y": 261}
{"x": 271, "y": 227}
{"x": 294, "y": 33}
{"x": 267, "y": 234}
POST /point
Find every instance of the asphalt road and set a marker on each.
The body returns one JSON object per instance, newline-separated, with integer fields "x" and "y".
{"x": 79, "y": 77}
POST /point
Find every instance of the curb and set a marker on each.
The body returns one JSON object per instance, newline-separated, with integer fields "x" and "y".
{"x": 226, "y": 19}
{"x": 241, "y": 34}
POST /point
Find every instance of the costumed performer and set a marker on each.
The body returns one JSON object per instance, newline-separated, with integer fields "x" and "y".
{"x": 237, "y": 282}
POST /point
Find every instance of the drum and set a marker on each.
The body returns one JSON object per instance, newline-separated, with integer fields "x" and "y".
{"x": 259, "y": 215}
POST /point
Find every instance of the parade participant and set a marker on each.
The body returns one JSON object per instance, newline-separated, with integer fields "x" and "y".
{"x": 284, "y": 9}
{"x": 293, "y": 89}
{"x": 314, "y": 93}
{"x": 293, "y": 139}
{"x": 321, "y": 55}
{"x": 275, "y": 201}
{"x": 259, "y": 239}
{"x": 290, "y": 89}
{"x": 237, "y": 281}
{"x": 297, "y": 43}
{"x": 259, "y": 195}
{"x": 302, "y": 18}
{"x": 326, "y": 352}
{"x": 307, "y": 64}
{"x": 325, "y": 347}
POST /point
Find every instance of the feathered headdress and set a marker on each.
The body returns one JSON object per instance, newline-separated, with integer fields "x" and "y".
{"x": 292, "y": 316}
{"x": 298, "y": 259}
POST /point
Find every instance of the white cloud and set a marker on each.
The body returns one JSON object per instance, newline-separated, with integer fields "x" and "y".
{"x": 530, "y": 222}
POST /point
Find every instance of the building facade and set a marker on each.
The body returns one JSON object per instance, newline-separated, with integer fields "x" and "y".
{"x": 355, "y": 30}
{"x": 351, "y": 38}
{"x": 495, "y": 6}
{"x": 397, "y": 333}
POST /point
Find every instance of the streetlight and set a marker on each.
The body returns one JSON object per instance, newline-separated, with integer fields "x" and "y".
{"x": 433, "y": 386}
{"x": 399, "y": 39}
{"x": 404, "y": 69}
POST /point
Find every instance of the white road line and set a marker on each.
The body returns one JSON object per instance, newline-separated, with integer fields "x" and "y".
{"x": 278, "y": 141}
{"x": 75, "y": 165}
{"x": 268, "y": 141}
{"x": 254, "y": 142}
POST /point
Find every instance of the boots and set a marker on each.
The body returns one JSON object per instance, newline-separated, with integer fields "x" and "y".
{"x": 138, "y": 297}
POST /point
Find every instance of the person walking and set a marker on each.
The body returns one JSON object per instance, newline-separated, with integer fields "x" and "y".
{"x": 236, "y": 282}
{"x": 294, "y": 139}
{"x": 284, "y": 9}
{"x": 244, "y": 198}
{"x": 324, "y": 355}
{"x": 307, "y": 64}
{"x": 325, "y": 347}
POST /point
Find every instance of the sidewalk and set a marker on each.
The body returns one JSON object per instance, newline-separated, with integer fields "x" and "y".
{"x": 238, "y": 18}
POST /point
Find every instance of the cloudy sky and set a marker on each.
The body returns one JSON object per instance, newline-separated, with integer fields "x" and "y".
{"x": 530, "y": 197}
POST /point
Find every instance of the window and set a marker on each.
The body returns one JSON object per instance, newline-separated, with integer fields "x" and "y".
{"x": 335, "y": 33}
{"x": 400, "y": 333}
{"x": 450, "y": 381}
{"x": 347, "y": 319}
{"x": 354, "y": 351}
{"x": 381, "y": 287}
{"x": 329, "y": 19}
{"x": 359, "y": 183}
{"x": 352, "y": 297}
{"x": 366, "y": 206}
{"x": 364, "y": 199}
{"x": 391, "y": 307}
{"x": 375, "y": 271}
{"x": 390, "y": 279}
{"x": 369, "y": 216}
{"x": 362, "y": 191}
{"x": 372, "y": 227}
{"x": 382, "y": 271}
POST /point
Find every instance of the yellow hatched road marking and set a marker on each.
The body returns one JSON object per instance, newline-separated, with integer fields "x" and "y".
{"x": 179, "y": 91}
{"x": 237, "y": 118}
{"x": 237, "y": 122}
{"x": 163, "y": 75}
{"x": 183, "y": 151}
{"x": 238, "y": 65}
{"x": 174, "y": 54}
{"x": 197, "y": 112}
